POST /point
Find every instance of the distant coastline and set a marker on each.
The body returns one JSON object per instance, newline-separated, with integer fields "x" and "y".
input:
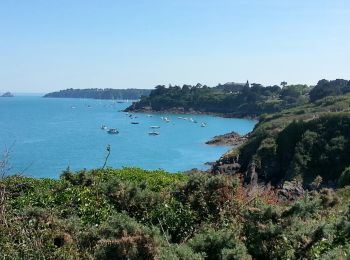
{"x": 7, "y": 94}
{"x": 182, "y": 111}
{"x": 116, "y": 94}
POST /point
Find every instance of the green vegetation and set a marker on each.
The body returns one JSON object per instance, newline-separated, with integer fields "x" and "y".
{"x": 111, "y": 214}
{"x": 326, "y": 88}
{"x": 231, "y": 99}
{"x": 96, "y": 93}
{"x": 300, "y": 143}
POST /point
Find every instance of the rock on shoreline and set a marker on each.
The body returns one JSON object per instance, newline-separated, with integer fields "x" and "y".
{"x": 229, "y": 139}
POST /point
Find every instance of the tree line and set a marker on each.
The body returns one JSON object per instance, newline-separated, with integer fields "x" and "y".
{"x": 96, "y": 93}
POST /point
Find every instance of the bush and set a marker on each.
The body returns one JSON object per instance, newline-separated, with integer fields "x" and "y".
{"x": 221, "y": 244}
{"x": 121, "y": 237}
{"x": 344, "y": 179}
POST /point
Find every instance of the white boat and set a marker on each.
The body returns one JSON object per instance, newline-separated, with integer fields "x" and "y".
{"x": 113, "y": 131}
{"x": 203, "y": 124}
{"x": 166, "y": 120}
{"x": 191, "y": 119}
{"x": 103, "y": 127}
{"x": 154, "y": 126}
{"x": 153, "y": 133}
{"x": 149, "y": 115}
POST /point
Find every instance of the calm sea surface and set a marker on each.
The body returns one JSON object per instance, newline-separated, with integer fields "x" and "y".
{"x": 47, "y": 135}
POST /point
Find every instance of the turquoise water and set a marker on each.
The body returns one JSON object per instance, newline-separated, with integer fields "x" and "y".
{"x": 47, "y": 135}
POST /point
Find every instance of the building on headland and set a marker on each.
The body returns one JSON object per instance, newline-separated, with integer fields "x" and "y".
{"x": 232, "y": 87}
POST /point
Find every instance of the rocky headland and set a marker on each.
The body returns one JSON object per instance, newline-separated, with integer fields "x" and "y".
{"x": 7, "y": 94}
{"x": 229, "y": 139}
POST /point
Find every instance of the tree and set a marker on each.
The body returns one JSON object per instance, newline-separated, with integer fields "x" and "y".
{"x": 284, "y": 83}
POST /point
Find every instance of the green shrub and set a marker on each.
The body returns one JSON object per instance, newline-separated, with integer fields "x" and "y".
{"x": 176, "y": 219}
{"x": 221, "y": 244}
{"x": 344, "y": 179}
{"x": 121, "y": 237}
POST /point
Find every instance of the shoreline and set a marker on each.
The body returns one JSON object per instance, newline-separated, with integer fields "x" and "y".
{"x": 193, "y": 112}
{"x": 231, "y": 139}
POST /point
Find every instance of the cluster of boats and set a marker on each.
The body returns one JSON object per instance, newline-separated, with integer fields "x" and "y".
{"x": 167, "y": 120}
{"x": 192, "y": 120}
{"x": 153, "y": 128}
{"x": 115, "y": 131}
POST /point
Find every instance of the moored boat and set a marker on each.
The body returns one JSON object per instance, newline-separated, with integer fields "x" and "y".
{"x": 154, "y": 133}
{"x": 113, "y": 131}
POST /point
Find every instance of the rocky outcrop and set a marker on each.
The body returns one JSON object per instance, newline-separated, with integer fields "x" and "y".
{"x": 226, "y": 165}
{"x": 290, "y": 191}
{"x": 7, "y": 94}
{"x": 230, "y": 139}
{"x": 229, "y": 162}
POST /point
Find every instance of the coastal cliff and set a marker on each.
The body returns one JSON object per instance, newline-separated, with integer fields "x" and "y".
{"x": 304, "y": 143}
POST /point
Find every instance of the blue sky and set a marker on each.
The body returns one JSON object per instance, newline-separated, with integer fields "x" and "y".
{"x": 48, "y": 45}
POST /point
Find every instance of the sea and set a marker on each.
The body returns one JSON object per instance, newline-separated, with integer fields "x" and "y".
{"x": 44, "y": 136}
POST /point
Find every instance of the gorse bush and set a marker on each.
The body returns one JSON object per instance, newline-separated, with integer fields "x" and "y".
{"x": 221, "y": 244}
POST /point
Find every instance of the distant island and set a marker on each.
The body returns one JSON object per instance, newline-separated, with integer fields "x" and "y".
{"x": 7, "y": 94}
{"x": 96, "y": 93}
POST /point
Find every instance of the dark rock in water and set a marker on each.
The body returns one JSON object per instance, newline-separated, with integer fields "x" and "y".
{"x": 210, "y": 163}
{"x": 231, "y": 139}
{"x": 7, "y": 94}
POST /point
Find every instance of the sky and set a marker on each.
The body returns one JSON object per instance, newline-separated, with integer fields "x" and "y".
{"x": 48, "y": 45}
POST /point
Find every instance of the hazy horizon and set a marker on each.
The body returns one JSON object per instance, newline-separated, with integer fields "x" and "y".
{"x": 52, "y": 45}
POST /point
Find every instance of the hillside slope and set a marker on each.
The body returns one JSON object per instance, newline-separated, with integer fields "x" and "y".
{"x": 298, "y": 143}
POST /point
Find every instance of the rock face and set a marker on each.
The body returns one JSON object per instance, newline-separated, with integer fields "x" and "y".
{"x": 230, "y": 139}
{"x": 7, "y": 94}
{"x": 291, "y": 190}
{"x": 226, "y": 165}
